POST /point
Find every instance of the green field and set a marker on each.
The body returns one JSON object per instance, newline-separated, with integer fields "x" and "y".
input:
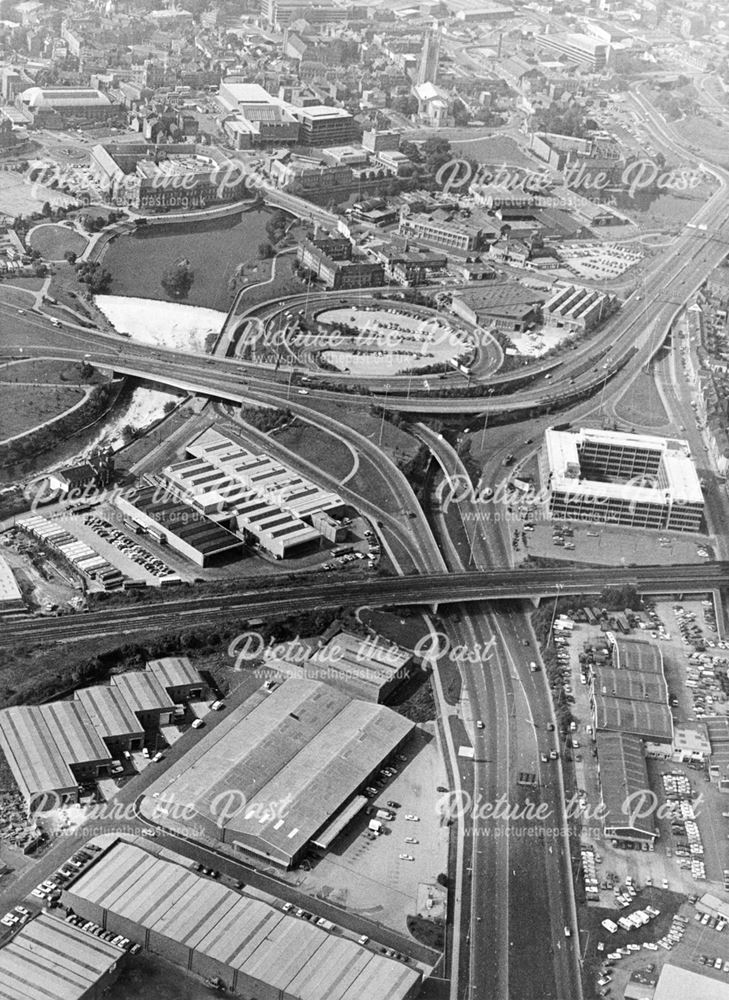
{"x": 55, "y": 372}
{"x": 494, "y": 150}
{"x": 52, "y": 241}
{"x": 319, "y": 447}
{"x": 641, "y": 405}
{"x": 23, "y": 407}
{"x": 214, "y": 249}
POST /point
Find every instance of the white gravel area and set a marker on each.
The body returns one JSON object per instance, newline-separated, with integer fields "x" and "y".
{"x": 167, "y": 324}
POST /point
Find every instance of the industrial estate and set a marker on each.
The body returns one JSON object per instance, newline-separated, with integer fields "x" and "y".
{"x": 363, "y": 500}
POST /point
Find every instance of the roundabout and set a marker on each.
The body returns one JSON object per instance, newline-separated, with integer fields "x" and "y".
{"x": 374, "y": 337}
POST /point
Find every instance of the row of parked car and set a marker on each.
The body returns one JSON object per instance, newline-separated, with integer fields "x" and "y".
{"x": 18, "y": 915}
{"x": 118, "y": 940}
{"x": 50, "y": 889}
{"x": 131, "y": 549}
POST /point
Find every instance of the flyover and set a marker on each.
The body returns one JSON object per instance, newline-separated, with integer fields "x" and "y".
{"x": 270, "y": 598}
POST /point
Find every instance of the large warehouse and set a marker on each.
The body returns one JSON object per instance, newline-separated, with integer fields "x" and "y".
{"x": 623, "y": 775}
{"x": 252, "y": 946}
{"x": 53, "y": 107}
{"x": 252, "y": 493}
{"x": 281, "y": 768}
{"x": 48, "y": 959}
{"x": 187, "y": 531}
{"x": 11, "y": 599}
{"x": 635, "y": 480}
{"x": 369, "y": 668}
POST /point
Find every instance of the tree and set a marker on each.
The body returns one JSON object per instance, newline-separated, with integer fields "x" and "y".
{"x": 276, "y": 226}
{"x": 265, "y": 250}
{"x": 46, "y": 210}
{"x": 70, "y": 256}
{"x": 177, "y": 280}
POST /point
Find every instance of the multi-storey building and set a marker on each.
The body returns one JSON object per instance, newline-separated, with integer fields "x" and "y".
{"x": 629, "y": 479}
{"x": 584, "y": 50}
{"x": 454, "y": 234}
{"x": 325, "y": 126}
{"x": 334, "y": 264}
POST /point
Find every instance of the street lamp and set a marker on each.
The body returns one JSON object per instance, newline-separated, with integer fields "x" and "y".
{"x": 382, "y": 417}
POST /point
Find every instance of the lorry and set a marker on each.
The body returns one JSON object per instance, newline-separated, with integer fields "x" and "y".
{"x": 375, "y": 826}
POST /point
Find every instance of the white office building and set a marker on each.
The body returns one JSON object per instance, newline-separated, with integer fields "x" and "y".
{"x": 634, "y": 480}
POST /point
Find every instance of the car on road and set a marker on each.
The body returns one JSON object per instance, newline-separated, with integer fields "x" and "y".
{"x": 406, "y": 857}
{"x": 158, "y": 757}
{"x": 544, "y": 757}
{"x": 412, "y": 818}
{"x": 363, "y": 939}
{"x": 198, "y": 724}
{"x": 412, "y": 840}
{"x": 479, "y": 724}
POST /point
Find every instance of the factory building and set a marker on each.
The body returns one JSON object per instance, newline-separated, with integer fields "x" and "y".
{"x": 631, "y": 695}
{"x": 112, "y": 718}
{"x": 11, "y": 599}
{"x": 506, "y": 305}
{"x": 48, "y": 958}
{"x": 179, "y": 678}
{"x": 253, "y": 494}
{"x": 146, "y": 697}
{"x": 251, "y": 946}
{"x": 369, "y": 668}
{"x": 301, "y": 754}
{"x": 189, "y": 532}
{"x": 48, "y": 763}
{"x": 577, "y": 309}
{"x": 52, "y": 749}
{"x": 623, "y": 773}
{"x": 634, "y": 480}
{"x": 632, "y": 720}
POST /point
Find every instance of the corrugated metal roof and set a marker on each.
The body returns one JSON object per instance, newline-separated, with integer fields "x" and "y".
{"x": 241, "y": 932}
{"x": 49, "y": 959}
{"x": 74, "y": 734}
{"x": 142, "y": 691}
{"x": 31, "y": 751}
{"x": 108, "y": 711}
{"x": 174, "y": 671}
{"x": 297, "y": 756}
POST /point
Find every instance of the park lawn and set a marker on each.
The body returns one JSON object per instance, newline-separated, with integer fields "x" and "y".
{"x": 138, "y": 261}
{"x": 53, "y": 241}
{"x": 24, "y": 407}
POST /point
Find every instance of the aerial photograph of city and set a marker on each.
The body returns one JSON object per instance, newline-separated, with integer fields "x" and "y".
{"x": 364, "y": 481}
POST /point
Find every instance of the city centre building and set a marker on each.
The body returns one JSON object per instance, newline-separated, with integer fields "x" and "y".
{"x": 634, "y": 480}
